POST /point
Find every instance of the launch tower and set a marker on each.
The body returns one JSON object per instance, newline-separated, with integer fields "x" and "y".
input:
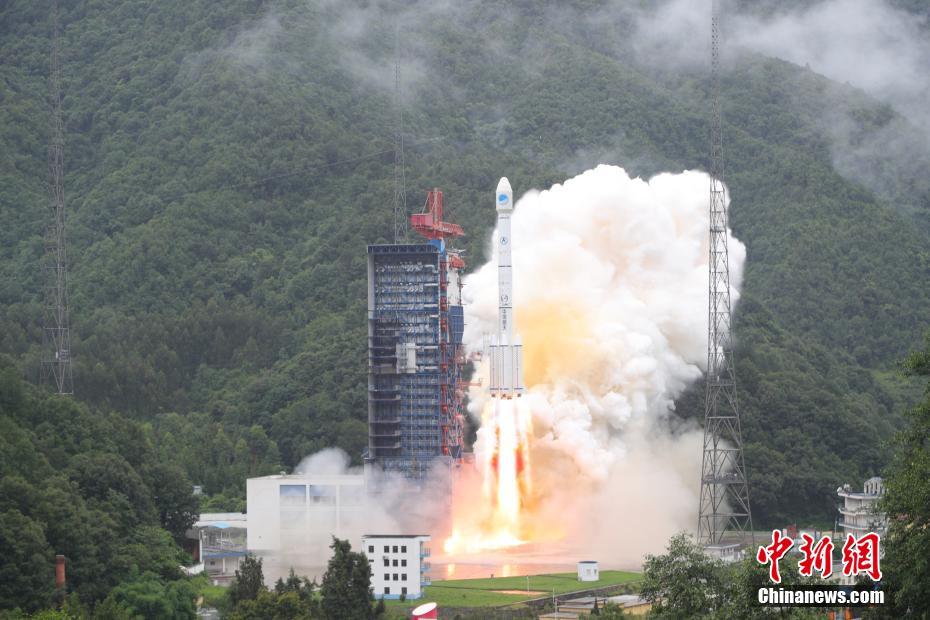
{"x": 415, "y": 352}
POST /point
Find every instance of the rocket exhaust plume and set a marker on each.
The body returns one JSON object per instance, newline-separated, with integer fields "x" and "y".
{"x": 609, "y": 292}
{"x": 505, "y": 466}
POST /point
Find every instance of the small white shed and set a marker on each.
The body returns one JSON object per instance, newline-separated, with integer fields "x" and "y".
{"x": 588, "y": 571}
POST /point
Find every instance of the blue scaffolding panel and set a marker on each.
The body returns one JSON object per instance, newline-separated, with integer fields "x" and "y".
{"x": 410, "y": 378}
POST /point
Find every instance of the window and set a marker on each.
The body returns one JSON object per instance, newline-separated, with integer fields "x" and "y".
{"x": 395, "y": 577}
{"x": 387, "y": 590}
{"x": 371, "y": 548}
{"x": 386, "y": 549}
{"x": 293, "y": 495}
{"x": 403, "y": 549}
{"x": 387, "y": 577}
{"x": 403, "y": 576}
{"x": 387, "y": 562}
{"x": 403, "y": 590}
{"x": 403, "y": 562}
{"x": 322, "y": 494}
{"x": 395, "y": 562}
{"x": 395, "y": 548}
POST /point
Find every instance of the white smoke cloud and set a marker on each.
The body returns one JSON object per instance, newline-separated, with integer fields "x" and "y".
{"x": 610, "y": 287}
{"x": 375, "y": 503}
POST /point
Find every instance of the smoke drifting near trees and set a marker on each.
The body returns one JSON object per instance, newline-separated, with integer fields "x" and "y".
{"x": 610, "y": 287}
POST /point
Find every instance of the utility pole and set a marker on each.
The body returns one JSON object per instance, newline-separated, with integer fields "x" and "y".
{"x": 56, "y": 334}
{"x": 724, "y": 488}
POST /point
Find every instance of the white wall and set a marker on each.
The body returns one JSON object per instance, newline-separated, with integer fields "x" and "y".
{"x": 299, "y": 514}
{"x": 395, "y": 576}
{"x": 588, "y": 571}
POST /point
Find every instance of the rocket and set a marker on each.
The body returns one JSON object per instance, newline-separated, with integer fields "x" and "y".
{"x": 505, "y": 350}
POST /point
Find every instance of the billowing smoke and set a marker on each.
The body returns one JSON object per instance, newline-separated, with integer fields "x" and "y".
{"x": 610, "y": 287}
{"x": 343, "y": 502}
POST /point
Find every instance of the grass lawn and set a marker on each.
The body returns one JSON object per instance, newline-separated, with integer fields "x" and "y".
{"x": 481, "y": 592}
{"x": 213, "y": 596}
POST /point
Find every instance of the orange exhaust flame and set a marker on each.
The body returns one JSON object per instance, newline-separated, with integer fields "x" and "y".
{"x": 507, "y": 483}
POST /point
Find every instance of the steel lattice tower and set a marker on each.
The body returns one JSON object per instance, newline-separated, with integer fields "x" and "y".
{"x": 400, "y": 173}
{"x": 724, "y": 487}
{"x": 56, "y": 334}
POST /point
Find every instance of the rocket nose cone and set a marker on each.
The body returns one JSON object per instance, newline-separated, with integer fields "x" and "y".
{"x": 504, "y": 195}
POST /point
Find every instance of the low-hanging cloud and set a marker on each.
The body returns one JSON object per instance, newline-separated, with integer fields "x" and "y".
{"x": 867, "y": 44}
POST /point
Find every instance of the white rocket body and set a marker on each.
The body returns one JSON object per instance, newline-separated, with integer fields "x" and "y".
{"x": 505, "y": 350}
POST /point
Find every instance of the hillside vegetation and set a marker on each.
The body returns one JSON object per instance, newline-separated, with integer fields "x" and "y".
{"x": 226, "y": 163}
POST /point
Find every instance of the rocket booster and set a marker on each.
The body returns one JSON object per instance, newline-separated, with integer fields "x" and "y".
{"x": 505, "y": 351}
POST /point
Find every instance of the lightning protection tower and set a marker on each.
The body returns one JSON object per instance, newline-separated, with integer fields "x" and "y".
{"x": 400, "y": 173}
{"x": 724, "y": 516}
{"x": 56, "y": 335}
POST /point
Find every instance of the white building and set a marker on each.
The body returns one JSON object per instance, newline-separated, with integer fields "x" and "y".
{"x": 292, "y": 518}
{"x": 588, "y": 570}
{"x": 221, "y": 543}
{"x": 725, "y": 552}
{"x": 399, "y": 564}
{"x": 858, "y": 514}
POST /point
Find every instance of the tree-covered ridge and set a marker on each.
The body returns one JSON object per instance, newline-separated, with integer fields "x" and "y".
{"x": 86, "y": 485}
{"x": 226, "y": 165}
{"x": 907, "y": 504}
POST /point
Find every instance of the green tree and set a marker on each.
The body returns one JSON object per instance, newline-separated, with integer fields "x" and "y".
{"x": 153, "y": 599}
{"x": 27, "y": 565}
{"x": 907, "y": 504}
{"x": 150, "y": 549}
{"x": 683, "y": 581}
{"x": 611, "y": 612}
{"x": 740, "y": 585}
{"x": 287, "y": 604}
{"x": 112, "y": 483}
{"x": 291, "y": 599}
{"x": 686, "y": 583}
{"x": 248, "y": 582}
{"x": 172, "y": 493}
{"x": 53, "y": 614}
{"x": 346, "y": 587}
{"x": 111, "y": 609}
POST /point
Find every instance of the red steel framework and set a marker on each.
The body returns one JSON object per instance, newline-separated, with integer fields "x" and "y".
{"x": 431, "y": 225}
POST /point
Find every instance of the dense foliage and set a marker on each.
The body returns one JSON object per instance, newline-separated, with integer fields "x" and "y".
{"x": 907, "y": 503}
{"x": 686, "y": 583}
{"x": 345, "y": 592}
{"x": 226, "y": 163}
{"x": 346, "y": 587}
{"x": 88, "y": 486}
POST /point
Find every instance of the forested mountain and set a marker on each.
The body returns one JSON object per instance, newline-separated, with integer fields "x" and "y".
{"x": 90, "y": 486}
{"x": 226, "y": 163}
